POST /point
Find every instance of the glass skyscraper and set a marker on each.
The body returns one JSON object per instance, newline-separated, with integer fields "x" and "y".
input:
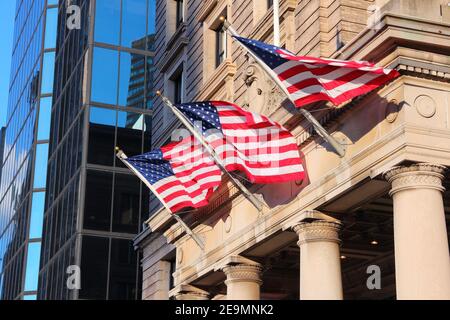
{"x": 68, "y": 202}
{"x": 24, "y": 165}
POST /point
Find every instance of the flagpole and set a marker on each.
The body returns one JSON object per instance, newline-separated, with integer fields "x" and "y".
{"x": 308, "y": 116}
{"x": 122, "y": 156}
{"x": 258, "y": 205}
{"x": 276, "y": 22}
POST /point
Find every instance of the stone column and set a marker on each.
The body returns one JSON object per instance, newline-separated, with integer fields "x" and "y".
{"x": 243, "y": 279}
{"x": 422, "y": 262}
{"x": 188, "y": 292}
{"x": 320, "y": 261}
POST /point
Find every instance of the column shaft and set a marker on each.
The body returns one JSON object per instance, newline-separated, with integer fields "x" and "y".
{"x": 320, "y": 264}
{"x": 422, "y": 260}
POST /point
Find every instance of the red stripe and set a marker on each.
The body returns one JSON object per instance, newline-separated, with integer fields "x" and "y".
{"x": 192, "y": 194}
{"x": 305, "y": 68}
{"x": 266, "y": 179}
{"x": 191, "y": 171}
{"x": 369, "y": 86}
{"x": 346, "y": 78}
{"x": 230, "y": 113}
{"x": 263, "y": 151}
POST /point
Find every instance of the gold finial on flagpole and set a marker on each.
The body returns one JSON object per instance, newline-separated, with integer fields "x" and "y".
{"x": 158, "y": 93}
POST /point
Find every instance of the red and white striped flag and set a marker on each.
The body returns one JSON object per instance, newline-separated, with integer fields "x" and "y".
{"x": 180, "y": 174}
{"x": 308, "y": 79}
{"x": 246, "y": 141}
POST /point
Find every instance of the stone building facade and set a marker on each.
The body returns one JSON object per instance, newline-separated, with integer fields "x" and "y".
{"x": 381, "y": 209}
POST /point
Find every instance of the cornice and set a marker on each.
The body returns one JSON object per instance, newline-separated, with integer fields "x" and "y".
{"x": 174, "y": 46}
{"x": 206, "y": 9}
{"x": 225, "y": 71}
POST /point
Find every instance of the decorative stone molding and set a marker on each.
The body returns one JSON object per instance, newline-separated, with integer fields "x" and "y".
{"x": 420, "y": 175}
{"x": 221, "y": 79}
{"x": 240, "y": 269}
{"x": 425, "y": 106}
{"x": 243, "y": 273}
{"x": 188, "y": 292}
{"x": 424, "y": 71}
{"x": 170, "y": 56}
{"x": 180, "y": 255}
{"x": 392, "y": 110}
{"x": 228, "y": 224}
{"x": 262, "y": 95}
{"x": 318, "y": 230}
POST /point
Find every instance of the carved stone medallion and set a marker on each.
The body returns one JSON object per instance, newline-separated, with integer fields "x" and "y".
{"x": 392, "y": 111}
{"x": 425, "y": 106}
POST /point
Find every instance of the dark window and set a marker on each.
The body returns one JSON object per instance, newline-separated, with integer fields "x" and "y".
{"x": 180, "y": 12}
{"x": 97, "y": 210}
{"x": 129, "y": 133}
{"x": 221, "y": 45}
{"x": 173, "y": 268}
{"x": 94, "y": 266}
{"x": 178, "y": 88}
{"x": 102, "y": 129}
{"x": 123, "y": 271}
{"x": 126, "y": 203}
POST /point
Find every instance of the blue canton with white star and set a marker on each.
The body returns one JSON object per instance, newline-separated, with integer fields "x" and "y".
{"x": 266, "y": 52}
{"x": 152, "y": 166}
{"x": 203, "y": 115}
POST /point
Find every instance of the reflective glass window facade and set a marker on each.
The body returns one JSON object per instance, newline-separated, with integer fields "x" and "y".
{"x": 102, "y": 97}
{"x": 65, "y": 199}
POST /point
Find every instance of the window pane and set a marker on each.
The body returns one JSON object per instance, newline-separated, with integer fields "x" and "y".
{"x": 104, "y": 75}
{"x": 134, "y": 21}
{"x": 126, "y": 203}
{"x": 32, "y": 271}
{"x": 107, "y": 21}
{"x": 40, "y": 169}
{"x": 147, "y": 134}
{"x": 151, "y": 17}
{"x": 123, "y": 270}
{"x": 102, "y": 126}
{"x": 44, "y": 119}
{"x": 149, "y": 80}
{"x": 180, "y": 12}
{"x": 94, "y": 263}
{"x": 48, "y": 73}
{"x": 97, "y": 210}
{"x": 51, "y": 28}
{"x": 132, "y": 80}
{"x": 129, "y": 132}
{"x": 37, "y": 215}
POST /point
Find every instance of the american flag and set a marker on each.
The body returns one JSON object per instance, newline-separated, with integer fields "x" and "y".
{"x": 246, "y": 141}
{"x": 180, "y": 174}
{"x": 308, "y": 79}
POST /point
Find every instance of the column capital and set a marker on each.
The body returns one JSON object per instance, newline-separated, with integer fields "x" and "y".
{"x": 239, "y": 269}
{"x": 188, "y": 292}
{"x": 419, "y": 175}
{"x": 318, "y": 230}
